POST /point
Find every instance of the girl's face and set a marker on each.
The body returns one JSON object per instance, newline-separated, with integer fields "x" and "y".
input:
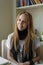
{"x": 22, "y": 22}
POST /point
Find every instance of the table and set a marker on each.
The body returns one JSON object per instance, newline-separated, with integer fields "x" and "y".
{"x": 3, "y": 61}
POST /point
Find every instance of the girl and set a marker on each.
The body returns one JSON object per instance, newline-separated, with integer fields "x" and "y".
{"x": 23, "y": 42}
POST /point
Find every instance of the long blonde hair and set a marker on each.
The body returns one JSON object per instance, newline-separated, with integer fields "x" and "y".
{"x": 30, "y": 34}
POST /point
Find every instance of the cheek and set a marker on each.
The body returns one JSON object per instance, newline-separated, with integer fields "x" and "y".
{"x": 25, "y": 25}
{"x": 17, "y": 23}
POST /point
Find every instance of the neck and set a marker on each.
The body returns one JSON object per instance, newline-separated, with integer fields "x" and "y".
{"x": 22, "y": 34}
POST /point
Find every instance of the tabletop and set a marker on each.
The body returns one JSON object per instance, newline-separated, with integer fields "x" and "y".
{"x": 6, "y": 62}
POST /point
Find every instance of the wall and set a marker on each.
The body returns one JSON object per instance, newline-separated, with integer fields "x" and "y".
{"x": 5, "y": 18}
{"x": 13, "y": 14}
{"x": 37, "y": 14}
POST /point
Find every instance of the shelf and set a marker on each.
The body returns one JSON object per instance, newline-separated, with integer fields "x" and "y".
{"x": 30, "y": 6}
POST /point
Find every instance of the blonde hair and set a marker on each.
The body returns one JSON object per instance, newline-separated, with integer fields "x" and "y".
{"x": 30, "y": 34}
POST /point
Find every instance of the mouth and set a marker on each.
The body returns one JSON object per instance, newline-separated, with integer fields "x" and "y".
{"x": 21, "y": 26}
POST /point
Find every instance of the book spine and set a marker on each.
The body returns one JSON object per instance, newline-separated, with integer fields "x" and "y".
{"x": 34, "y": 2}
{"x": 21, "y": 3}
{"x": 31, "y": 2}
{"x": 24, "y": 3}
{"x": 27, "y": 2}
{"x": 37, "y": 1}
{"x": 41, "y": 1}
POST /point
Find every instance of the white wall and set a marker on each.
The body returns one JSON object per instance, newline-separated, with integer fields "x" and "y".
{"x": 5, "y": 18}
{"x": 37, "y": 14}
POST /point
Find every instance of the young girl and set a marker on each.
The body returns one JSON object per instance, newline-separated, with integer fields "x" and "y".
{"x": 22, "y": 44}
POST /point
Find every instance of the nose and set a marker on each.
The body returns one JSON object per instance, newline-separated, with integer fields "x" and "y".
{"x": 21, "y": 22}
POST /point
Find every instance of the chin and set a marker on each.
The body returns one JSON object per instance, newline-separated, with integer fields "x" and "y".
{"x": 21, "y": 29}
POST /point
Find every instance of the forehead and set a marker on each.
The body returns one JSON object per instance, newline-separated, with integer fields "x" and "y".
{"x": 23, "y": 16}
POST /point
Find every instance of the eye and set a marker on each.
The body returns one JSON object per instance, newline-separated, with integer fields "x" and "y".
{"x": 19, "y": 19}
{"x": 24, "y": 21}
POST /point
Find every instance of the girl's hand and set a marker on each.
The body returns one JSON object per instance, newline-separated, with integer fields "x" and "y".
{"x": 27, "y": 63}
{"x": 20, "y": 64}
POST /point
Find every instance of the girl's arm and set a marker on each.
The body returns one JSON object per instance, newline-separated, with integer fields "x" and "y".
{"x": 9, "y": 57}
{"x": 35, "y": 59}
{"x": 38, "y": 56}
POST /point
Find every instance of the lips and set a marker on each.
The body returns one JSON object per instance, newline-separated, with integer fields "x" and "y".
{"x": 20, "y": 26}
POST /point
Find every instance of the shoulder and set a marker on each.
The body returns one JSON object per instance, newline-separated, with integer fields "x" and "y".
{"x": 10, "y": 35}
{"x": 9, "y": 40}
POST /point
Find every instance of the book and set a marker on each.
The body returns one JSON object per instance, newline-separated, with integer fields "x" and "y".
{"x": 41, "y": 1}
{"x": 27, "y": 2}
{"x": 24, "y": 2}
{"x": 37, "y": 1}
{"x": 21, "y": 2}
{"x": 31, "y": 2}
{"x": 34, "y": 2}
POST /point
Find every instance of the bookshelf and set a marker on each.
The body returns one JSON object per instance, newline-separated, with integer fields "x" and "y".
{"x": 24, "y": 4}
{"x": 29, "y": 7}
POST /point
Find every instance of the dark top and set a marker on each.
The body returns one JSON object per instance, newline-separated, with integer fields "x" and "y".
{"x": 17, "y": 53}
